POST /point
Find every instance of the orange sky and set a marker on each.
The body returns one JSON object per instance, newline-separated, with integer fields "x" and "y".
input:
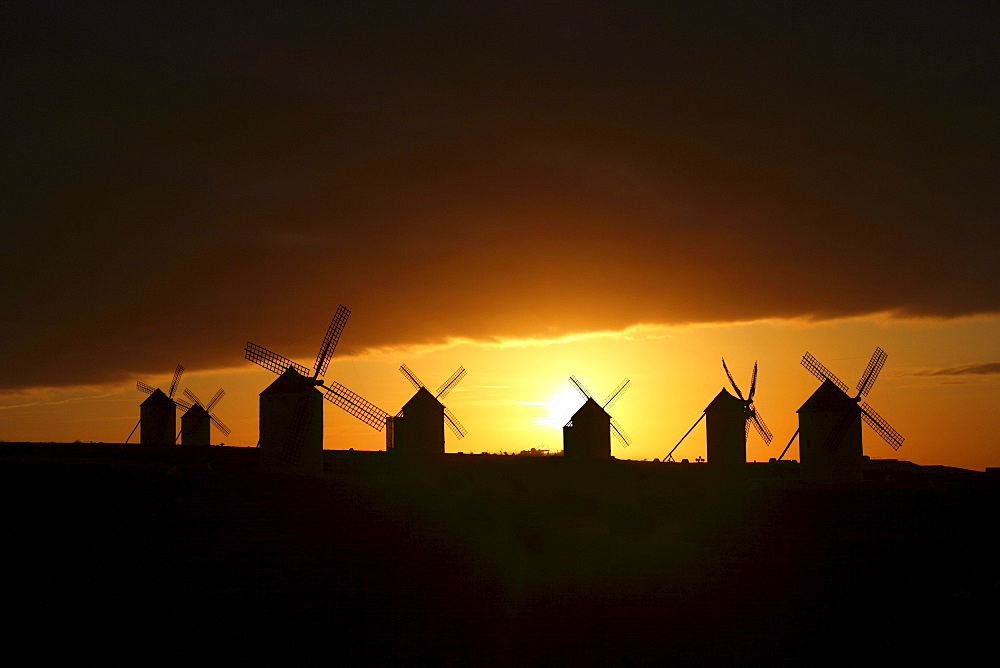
{"x": 183, "y": 179}
{"x": 516, "y": 391}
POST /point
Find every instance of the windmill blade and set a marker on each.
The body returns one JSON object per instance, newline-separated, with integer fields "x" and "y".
{"x": 456, "y": 426}
{"x": 218, "y": 423}
{"x": 753, "y": 383}
{"x": 448, "y": 385}
{"x": 367, "y": 412}
{"x": 758, "y": 423}
{"x": 815, "y": 368}
{"x": 790, "y": 441}
{"x": 190, "y": 395}
{"x": 178, "y": 372}
{"x": 670, "y": 455}
{"x": 614, "y": 396}
{"x": 273, "y": 361}
{"x": 881, "y": 427}
{"x": 290, "y": 450}
{"x": 143, "y": 387}
{"x": 216, "y": 399}
{"x": 840, "y": 428}
{"x": 871, "y": 373}
{"x": 410, "y": 376}
{"x": 731, "y": 381}
{"x": 180, "y": 403}
{"x": 620, "y": 433}
{"x": 329, "y": 344}
{"x": 580, "y": 388}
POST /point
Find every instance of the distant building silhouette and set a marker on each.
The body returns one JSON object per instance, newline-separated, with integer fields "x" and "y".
{"x": 158, "y": 413}
{"x": 291, "y": 410}
{"x": 196, "y": 422}
{"x": 291, "y": 425}
{"x": 823, "y": 456}
{"x": 418, "y": 428}
{"x": 830, "y": 446}
{"x": 727, "y": 421}
{"x": 157, "y": 420}
{"x": 725, "y": 430}
{"x": 587, "y": 435}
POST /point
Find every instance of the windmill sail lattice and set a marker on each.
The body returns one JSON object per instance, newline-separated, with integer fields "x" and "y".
{"x": 611, "y": 399}
{"x": 160, "y": 420}
{"x": 443, "y": 390}
{"x": 296, "y": 433}
{"x": 878, "y": 424}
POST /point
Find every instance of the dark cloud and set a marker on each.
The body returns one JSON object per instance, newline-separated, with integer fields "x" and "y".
{"x": 183, "y": 179}
{"x": 985, "y": 369}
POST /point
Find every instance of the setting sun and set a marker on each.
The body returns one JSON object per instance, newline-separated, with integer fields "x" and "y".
{"x": 561, "y": 406}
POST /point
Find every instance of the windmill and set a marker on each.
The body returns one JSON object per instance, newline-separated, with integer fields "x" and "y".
{"x": 727, "y": 423}
{"x": 157, "y": 413}
{"x": 291, "y": 412}
{"x": 587, "y": 435}
{"x": 419, "y": 425}
{"x": 197, "y": 420}
{"x": 830, "y": 447}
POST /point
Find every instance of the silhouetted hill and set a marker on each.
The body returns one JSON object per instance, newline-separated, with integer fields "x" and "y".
{"x": 165, "y": 554}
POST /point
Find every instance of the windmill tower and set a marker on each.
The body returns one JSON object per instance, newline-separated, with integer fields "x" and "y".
{"x": 158, "y": 413}
{"x": 418, "y": 428}
{"x": 291, "y": 408}
{"x": 727, "y": 422}
{"x": 830, "y": 448}
{"x": 587, "y": 435}
{"x": 196, "y": 422}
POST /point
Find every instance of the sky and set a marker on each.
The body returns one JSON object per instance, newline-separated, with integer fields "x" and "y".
{"x": 530, "y": 190}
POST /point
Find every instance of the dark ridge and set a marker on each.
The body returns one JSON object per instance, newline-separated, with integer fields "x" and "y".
{"x": 162, "y": 555}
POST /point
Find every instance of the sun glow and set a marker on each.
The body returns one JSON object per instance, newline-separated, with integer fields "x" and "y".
{"x": 562, "y": 404}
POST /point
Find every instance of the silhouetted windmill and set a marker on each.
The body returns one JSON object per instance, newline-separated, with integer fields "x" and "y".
{"x": 418, "y": 428}
{"x": 727, "y": 422}
{"x": 158, "y": 413}
{"x": 291, "y": 412}
{"x": 587, "y": 435}
{"x": 830, "y": 447}
{"x": 197, "y": 420}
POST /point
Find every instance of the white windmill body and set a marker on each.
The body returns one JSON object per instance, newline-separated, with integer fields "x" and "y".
{"x": 830, "y": 434}
{"x": 291, "y": 425}
{"x": 727, "y": 422}
{"x": 587, "y": 435}
{"x": 158, "y": 413}
{"x": 418, "y": 428}
{"x": 725, "y": 431}
{"x": 197, "y": 421}
{"x": 157, "y": 419}
{"x": 291, "y": 408}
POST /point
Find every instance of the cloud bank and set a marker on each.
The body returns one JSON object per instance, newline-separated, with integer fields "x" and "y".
{"x": 186, "y": 180}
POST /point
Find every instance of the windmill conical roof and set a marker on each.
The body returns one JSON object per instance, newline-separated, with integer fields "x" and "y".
{"x": 195, "y": 411}
{"x": 725, "y": 402}
{"x": 421, "y": 397}
{"x": 290, "y": 382}
{"x": 590, "y": 408}
{"x": 158, "y": 396}
{"x": 828, "y": 397}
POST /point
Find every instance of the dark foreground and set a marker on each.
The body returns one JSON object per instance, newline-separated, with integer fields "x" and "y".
{"x": 189, "y": 555}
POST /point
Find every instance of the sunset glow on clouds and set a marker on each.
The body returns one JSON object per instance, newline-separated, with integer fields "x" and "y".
{"x": 529, "y": 191}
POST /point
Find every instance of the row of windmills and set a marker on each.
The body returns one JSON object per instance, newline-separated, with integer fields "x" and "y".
{"x": 829, "y": 433}
{"x": 291, "y": 417}
{"x": 158, "y": 417}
